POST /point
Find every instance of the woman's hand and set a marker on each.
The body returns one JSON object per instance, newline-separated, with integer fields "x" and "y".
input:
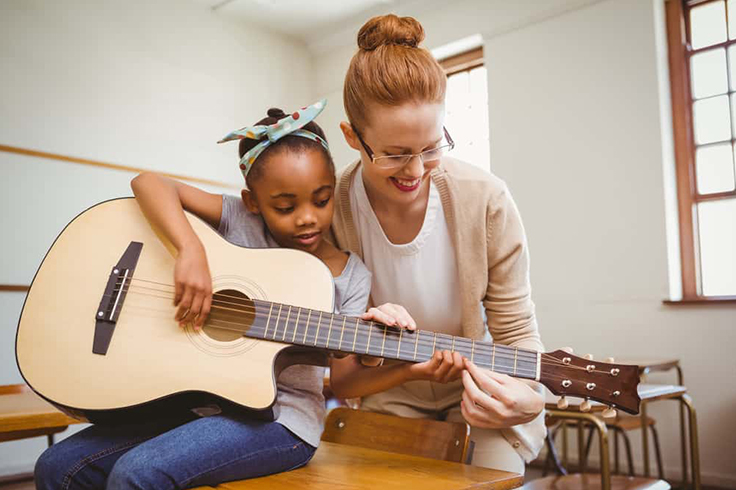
{"x": 391, "y": 315}
{"x": 193, "y": 285}
{"x": 497, "y": 401}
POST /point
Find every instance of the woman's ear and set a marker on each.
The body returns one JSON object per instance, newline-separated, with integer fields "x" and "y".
{"x": 249, "y": 199}
{"x": 350, "y": 137}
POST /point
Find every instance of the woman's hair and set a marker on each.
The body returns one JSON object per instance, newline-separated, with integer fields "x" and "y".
{"x": 289, "y": 143}
{"x": 390, "y": 68}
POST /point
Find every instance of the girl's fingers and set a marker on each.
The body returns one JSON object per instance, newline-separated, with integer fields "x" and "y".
{"x": 194, "y": 309}
{"x": 184, "y": 305}
{"x": 204, "y": 312}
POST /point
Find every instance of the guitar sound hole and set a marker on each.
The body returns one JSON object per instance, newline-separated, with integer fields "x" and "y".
{"x": 230, "y": 317}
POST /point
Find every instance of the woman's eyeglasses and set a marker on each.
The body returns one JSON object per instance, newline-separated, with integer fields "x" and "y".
{"x": 396, "y": 161}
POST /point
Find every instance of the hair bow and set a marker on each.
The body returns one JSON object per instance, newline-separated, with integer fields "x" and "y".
{"x": 290, "y": 125}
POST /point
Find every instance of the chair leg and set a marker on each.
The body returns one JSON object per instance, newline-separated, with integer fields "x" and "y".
{"x": 552, "y": 456}
{"x": 50, "y": 439}
{"x": 616, "y": 468}
{"x": 658, "y": 452}
{"x": 629, "y": 458}
{"x": 588, "y": 444}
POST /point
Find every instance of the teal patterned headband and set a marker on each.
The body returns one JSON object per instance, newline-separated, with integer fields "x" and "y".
{"x": 290, "y": 125}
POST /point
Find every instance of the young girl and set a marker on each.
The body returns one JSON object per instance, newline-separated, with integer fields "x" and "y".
{"x": 290, "y": 180}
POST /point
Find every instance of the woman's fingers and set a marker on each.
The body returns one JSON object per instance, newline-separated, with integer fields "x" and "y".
{"x": 204, "y": 312}
{"x": 392, "y": 315}
{"x": 489, "y": 382}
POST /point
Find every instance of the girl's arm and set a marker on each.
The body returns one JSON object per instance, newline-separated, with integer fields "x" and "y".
{"x": 163, "y": 201}
{"x": 349, "y": 378}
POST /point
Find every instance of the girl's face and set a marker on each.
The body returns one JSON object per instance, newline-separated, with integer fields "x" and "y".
{"x": 410, "y": 128}
{"x": 294, "y": 196}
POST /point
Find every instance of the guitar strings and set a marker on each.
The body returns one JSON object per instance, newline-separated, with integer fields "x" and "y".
{"x": 525, "y": 355}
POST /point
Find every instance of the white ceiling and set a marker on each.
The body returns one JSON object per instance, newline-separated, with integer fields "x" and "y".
{"x": 302, "y": 20}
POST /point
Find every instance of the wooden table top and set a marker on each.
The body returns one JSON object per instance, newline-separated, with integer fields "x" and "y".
{"x": 647, "y": 392}
{"x": 25, "y": 410}
{"x": 338, "y": 466}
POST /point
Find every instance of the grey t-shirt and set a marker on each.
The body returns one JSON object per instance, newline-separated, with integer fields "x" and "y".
{"x": 300, "y": 402}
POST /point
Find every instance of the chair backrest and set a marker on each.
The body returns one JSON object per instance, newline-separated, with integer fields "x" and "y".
{"x": 419, "y": 437}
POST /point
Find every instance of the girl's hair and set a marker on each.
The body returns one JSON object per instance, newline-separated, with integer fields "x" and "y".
{"x": 390, "y": 68}
{"x": 289, "y": 143}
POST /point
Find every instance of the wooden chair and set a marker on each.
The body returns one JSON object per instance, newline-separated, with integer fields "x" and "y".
{"x": 419, "y": 437}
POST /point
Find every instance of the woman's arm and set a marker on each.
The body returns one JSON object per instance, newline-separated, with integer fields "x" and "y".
{"x": 163, "y": 201}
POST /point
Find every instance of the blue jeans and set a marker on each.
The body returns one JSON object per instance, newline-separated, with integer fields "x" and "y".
{"x": 181, "y": 453}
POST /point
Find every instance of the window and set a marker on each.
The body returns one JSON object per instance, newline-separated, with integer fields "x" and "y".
{"x": 467, "y": 107}
{"x": 702, "y": 53}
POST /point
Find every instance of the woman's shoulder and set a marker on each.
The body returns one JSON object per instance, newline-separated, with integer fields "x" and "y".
{"x": 469, "y": 181}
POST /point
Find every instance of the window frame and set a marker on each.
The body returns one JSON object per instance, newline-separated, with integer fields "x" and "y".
{"x": 684, "y": 145}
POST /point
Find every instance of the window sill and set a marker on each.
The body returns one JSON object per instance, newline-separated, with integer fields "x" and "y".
{"x": 701, "y": 300}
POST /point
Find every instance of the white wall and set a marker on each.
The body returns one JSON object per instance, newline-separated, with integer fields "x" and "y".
{"x": 143, "y": 84}
{"x": 579, "y": 111}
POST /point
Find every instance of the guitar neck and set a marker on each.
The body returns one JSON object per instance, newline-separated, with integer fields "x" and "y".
{"x": 319, "y": 329}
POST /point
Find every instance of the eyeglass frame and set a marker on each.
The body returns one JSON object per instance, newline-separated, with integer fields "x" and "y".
{"x": 372, "y": 155}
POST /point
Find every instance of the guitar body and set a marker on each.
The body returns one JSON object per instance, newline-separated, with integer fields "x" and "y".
{"x": 150, "y": 360}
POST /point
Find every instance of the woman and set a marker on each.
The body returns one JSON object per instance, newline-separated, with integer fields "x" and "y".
{"x": 441, "y": 238}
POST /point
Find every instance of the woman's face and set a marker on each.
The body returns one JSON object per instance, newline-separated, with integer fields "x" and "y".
{"x": 410, "y": 128}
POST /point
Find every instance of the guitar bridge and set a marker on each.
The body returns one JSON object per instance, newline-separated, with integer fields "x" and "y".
{"x": 113, "y": 298}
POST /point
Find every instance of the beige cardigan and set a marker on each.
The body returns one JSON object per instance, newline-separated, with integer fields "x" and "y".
{"x": 492, "y": 260}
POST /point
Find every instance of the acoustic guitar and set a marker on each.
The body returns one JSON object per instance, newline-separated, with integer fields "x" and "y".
{"x": 98, "y": 339}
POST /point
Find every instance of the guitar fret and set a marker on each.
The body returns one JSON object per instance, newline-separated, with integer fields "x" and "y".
{"x": 516, "y": 355}
{"x": 453, "y": 345}
{"x": 342, "y": 332}
{"x": 296, "y": 326}
{"x": 268, "y": 321}
{"x": 385, "y": 328}
{"x": 416, "y": 344}
{"x": 355, "y": 337}
{"x": 306, "y": 329}
{"x": 398, "y": 349}
{"x": 319, "y": 322}
{"x": 493, "y": 358}
{"x": 286, "y": 324}
{"x": 278, "y": 317}
{"x": 329, "y": 332}
{"x": 472, "y": 350}
{"x": 370, "y": 330}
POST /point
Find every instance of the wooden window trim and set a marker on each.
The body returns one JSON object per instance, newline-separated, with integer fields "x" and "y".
{"x": 687, "y": 195}
{"x": 463, "y": 62}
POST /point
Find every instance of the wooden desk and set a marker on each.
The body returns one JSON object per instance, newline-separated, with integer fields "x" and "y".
{"x": 24, "y": 414}
{"x": 648, "y": 394}
{"x": 338, "y": 466}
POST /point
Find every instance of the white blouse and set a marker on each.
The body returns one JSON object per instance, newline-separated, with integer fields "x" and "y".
{"x": 420, "y": 275}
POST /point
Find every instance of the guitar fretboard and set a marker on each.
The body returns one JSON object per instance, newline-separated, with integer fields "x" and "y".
{"x": 314, "y": 328}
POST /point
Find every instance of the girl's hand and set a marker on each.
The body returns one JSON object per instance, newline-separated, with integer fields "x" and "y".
{"x": 193, "y": 286}
{"x": 497, "y": 401}
{"x": 445, "y": 366}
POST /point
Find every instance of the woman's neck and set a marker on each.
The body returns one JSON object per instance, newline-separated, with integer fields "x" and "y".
{"x": 401, "y": 223}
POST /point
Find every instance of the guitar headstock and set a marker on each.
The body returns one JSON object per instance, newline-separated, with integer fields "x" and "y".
{"x": 565, "y": 374}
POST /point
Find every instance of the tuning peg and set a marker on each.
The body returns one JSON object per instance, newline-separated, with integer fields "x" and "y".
{"x": 562, "y": 403}
{"x": 609, "y": 413}
{"x": 589, "y": 357}
{"x": 585, "y": 406}
{"x": 567, "y": 349}
{"x": 609, "y": 360}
